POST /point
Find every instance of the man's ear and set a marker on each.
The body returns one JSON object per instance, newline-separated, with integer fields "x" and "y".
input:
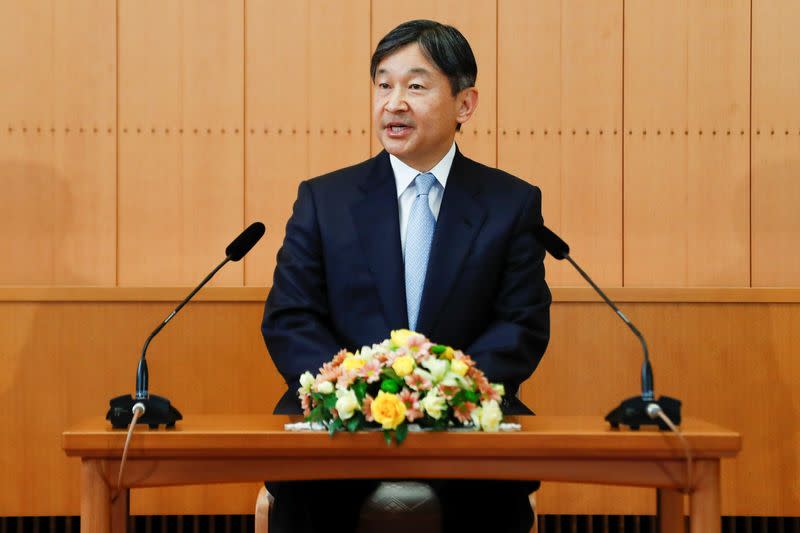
{"x": 466, "y": 102}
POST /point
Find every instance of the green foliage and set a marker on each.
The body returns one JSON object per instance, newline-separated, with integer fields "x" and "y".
{"x": 360, "y": 388}
{"x": 401, "y": 432}
{"x": 390, "y": 385}
{"x": 438, "y": 349}
{"x": 354, "y": 423}
{"x": 387, "y": 436}
{"x": 335, "y": 426}
{"x": 329, "y": 401}
{"x": 391, "y": 374}
{"x": 317, "y": 414}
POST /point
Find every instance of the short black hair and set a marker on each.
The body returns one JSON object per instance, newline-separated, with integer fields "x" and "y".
{"x": 444, "y": 45}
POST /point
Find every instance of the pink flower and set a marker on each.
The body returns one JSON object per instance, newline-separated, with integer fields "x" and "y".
{"x": 345, "y": 379}
{"x": 370, "y": 371}
{"x": 448, "y": 391}
{"x": 328, "y": 372}
{"x": 339, "y": 357}
{"x": 463, "y": 412}
{"x": 416, "y": 342}
{"x": 418, "y": 382}
{"x": 305, "y": 403}
{"x": 366, "y": 408}
{"x": 411, "y": 400}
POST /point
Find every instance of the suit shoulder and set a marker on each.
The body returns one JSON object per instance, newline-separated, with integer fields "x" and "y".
{"x": 342, "y": 177}
{"x": 501, "y": 181}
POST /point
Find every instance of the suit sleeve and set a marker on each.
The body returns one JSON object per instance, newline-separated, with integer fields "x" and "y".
{"x": 296, "y": 325}
{"x": 510, "y": 349}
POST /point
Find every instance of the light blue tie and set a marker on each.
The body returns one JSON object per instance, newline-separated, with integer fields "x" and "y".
{"x": 419, "y": 235}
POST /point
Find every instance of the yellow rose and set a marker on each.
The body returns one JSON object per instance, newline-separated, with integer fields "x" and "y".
{"x": 388, "y": 410}
{"x": 352, "y": 363}
{"x": 459, "y": 367}
{"x": 403, "y": 365}
{"x": 400, "y": 336}
{"x": 447, "y": 353}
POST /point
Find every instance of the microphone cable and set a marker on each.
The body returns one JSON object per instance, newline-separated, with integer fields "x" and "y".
{"x": 138, "y": 411}
{"x": 655, "y": 411}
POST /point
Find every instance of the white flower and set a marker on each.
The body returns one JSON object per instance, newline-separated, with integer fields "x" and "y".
{"x": 476, "y": 417}
{"x": 326, "y": 387}
{"x": 433, "y": 403}
{"x": 306, "y": 381}
{"x": 347, "y": 403}
{"x": 437, "y": 367}
{"x": 501, "y": 390}
{"x": 491, "y": 416}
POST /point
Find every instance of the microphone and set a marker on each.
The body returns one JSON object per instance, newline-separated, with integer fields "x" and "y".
{"x": 634, "y": 411}
{"x": 158, "y": 410}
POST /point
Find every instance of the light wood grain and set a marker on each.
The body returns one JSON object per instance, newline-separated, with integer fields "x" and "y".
{"x": 559, "y": 114}
{"x": 686, "y": 195}
{"x": 57, "y": 147}
{"x": 224, "y": 448}
{"x": 181, "y": 191}
{"x": 211, "y": 359}
{"x": 775, "y": 143}
{"x": 259, "y": 294}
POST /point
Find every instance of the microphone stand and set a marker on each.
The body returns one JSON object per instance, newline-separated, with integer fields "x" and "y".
{"x": 636, "y": 411}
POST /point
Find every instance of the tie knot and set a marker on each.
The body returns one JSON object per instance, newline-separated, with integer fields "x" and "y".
{"x": 424, "y": 182}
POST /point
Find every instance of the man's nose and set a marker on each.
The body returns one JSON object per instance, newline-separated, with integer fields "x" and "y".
{"x": 396, "y": 102}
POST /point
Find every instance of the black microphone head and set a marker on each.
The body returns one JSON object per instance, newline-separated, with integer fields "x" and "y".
{"x": 245, "y": 241}
{"x": 551, "y": 242}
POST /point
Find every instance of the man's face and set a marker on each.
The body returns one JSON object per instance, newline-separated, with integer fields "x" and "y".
{"x": 414, "y": 111}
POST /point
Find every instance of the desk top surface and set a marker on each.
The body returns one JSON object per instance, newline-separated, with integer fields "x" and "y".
{"x": 264, "y": 436}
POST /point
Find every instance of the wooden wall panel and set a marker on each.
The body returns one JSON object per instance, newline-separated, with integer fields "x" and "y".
{"x": 307, "y": 106}
{"x": 477, "y": 21}
{"x": 686, "y": 192}
{"x": 57, "y": 159}
{"x": 710, "y": 355}
{"x": 776, "y": 144}
{"x": 277, "y": 144}
{"x": 181, "y": 190}
{"x": 210, "y": 359}
{"x": 559, "y": 115}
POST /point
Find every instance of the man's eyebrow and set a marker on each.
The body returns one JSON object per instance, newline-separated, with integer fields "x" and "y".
{"x": 415, "y": 70}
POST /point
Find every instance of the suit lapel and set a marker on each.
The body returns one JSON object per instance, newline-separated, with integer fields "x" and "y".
{"x": 460, "y": 218}
{"x": 377, "y": 222}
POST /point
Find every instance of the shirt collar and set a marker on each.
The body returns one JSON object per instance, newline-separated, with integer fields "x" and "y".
{"x": 404, "y": 174}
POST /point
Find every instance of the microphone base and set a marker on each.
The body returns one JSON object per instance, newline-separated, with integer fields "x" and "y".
{"x": 157, "y": 411}
{"x": 633, "y": 413}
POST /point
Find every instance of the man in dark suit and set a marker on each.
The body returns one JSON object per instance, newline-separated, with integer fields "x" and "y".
{"x": 418, "y": 237}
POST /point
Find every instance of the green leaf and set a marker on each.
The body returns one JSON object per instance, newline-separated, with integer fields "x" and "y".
{"x": 459, "y": 398}
{"x": 470, "y": 396}
{"x": 387, "y": 436}
{"x": 401, "y": 432}
{"x": 360, "y": 388}
{"x": 317, "y": 414}
{"x": 354, "y": 424}
{"x": 390, "y": 385}
{"x": 330, "y": 401}
{"x": 438, "y": 349}
{"x": 391, "y": 374}
{"x": 335, "y": 426}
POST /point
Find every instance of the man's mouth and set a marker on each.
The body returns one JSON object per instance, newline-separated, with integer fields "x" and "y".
{"x": 397, "y": 128}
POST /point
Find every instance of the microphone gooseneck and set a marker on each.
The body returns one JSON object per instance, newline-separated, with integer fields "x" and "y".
{"x": 155, "y": 409}
{"x": 634, "y": 411}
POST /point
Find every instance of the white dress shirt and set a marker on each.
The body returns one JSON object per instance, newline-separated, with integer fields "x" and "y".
{"x": 403, "y": 177}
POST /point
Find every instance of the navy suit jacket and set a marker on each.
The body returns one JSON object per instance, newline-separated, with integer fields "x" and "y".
{"x": 339, "y": 281}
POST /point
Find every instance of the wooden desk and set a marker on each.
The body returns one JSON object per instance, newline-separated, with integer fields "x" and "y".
{"x": 239, "y": 448}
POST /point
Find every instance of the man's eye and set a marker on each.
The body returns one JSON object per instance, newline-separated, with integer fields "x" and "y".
{"x": 383, "y": 85}
{"x": 415, "y": 86}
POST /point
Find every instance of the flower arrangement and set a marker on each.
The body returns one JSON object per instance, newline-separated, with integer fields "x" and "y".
{"x": 404, "y": 379}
